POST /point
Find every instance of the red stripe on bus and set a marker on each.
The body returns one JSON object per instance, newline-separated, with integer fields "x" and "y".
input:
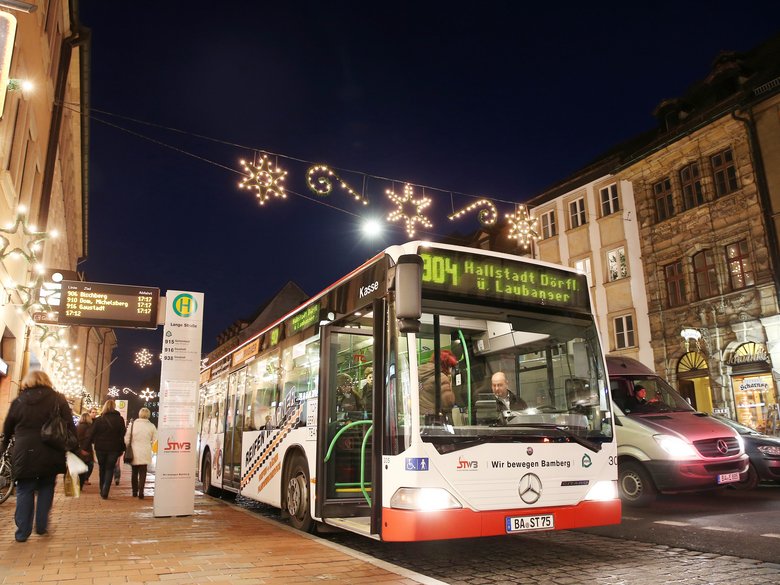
{"x": 410, "y": 526}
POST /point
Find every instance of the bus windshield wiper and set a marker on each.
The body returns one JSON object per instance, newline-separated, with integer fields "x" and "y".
{"x": 588, "y": 444}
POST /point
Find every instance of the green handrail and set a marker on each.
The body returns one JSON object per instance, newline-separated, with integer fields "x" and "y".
{"x": 343, "y": 429}
{"x": 468, "y": 370}
{"x": 363, "y": 465}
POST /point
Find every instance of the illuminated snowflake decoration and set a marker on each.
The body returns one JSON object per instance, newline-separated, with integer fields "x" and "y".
{"x": 113, "y": 392}
{"x": 522, "y": 227}
{"x": 409, "y": 210}
{"x": 147, "y": 394}
{"x": 143, "y": 358}
{"x": 264, "y": 179}
{"x": 32, "y": 238}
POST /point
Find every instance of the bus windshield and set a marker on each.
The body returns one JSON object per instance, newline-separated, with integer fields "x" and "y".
{"x": 529, "y": 377}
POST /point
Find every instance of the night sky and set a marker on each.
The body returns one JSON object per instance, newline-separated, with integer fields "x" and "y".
{"x": 492, "y": 99}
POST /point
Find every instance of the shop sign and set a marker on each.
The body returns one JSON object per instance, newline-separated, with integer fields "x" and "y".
{"x": 753, "y": 385}
{"x": 748, "y": 358}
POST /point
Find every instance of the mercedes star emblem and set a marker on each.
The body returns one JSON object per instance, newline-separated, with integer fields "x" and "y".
{"x": 530, "y": 488}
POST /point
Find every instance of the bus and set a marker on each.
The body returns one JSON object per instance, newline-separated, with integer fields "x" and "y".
{"x": 371, "y": 408}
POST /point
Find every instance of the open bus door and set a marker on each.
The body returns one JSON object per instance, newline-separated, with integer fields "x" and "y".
{"x": 349, "y": 439}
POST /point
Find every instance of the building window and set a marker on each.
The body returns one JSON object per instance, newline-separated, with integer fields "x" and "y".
{"x": 664, "y": 202}
{"x": 624, "y": 332}
{"x": 583, "y": 267}
{"x": 675, "y": 283}
{"x": 609, "y": 200}
{"x": 740, "y": 271}
{"x": 617, "y": 265}
{"x": 705, "y": 275}
{"x": 690, "y": 180}
{"x": 548, "y": 225}
{"x": 724, "y": 173}
{"x": 577, "y": 213}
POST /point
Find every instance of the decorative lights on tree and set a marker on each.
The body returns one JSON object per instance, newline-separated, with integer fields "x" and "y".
{"x": 409, "y": 210}
{"x": 486, "y": 216}
{"x": 265, "y": 179}
{"x": 320, "y": 179}
{"x": 522, "y": 226}
{"x": 143, "y": 358}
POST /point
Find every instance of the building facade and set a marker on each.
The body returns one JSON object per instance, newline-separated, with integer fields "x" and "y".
{"x": 43, "y": 201}
{"x": 678, "y": 232}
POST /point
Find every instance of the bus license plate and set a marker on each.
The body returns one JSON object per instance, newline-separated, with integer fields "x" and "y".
{"x": 728, "y": 477}
{"x": 523, "y": 523}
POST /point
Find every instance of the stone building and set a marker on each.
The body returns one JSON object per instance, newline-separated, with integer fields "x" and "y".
{"x": 678, "y": 232}
{"x": 44, "y": 138}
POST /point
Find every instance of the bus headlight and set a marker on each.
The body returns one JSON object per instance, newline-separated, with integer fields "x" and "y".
{"x": 675, "y": 446}
{"x": 423, "y": 499}
{"x": 603, "y": 491}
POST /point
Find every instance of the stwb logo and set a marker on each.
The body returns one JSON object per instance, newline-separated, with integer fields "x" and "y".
{"x": 465, "y": 464}
{"x": 178, "y": 447}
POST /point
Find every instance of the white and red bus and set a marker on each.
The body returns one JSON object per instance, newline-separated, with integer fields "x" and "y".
{"x": 370, "y": 407}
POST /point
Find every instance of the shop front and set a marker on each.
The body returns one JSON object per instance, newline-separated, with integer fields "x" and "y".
{"x": 755, "y": 391}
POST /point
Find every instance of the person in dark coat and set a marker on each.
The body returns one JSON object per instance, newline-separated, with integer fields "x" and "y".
{"x": 85, "y": 449}
{"x": 107, "y": 434}
{"x": 35, "y": 464}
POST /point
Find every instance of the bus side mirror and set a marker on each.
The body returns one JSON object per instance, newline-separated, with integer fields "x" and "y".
{"x": 408, "y": 292}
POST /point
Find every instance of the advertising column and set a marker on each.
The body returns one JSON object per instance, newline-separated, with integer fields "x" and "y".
{"x": 174, "y": 493}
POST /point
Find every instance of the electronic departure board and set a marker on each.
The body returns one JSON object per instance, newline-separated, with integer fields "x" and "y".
{"x": 98, "y": 304}
{"x": 475, "y": 276}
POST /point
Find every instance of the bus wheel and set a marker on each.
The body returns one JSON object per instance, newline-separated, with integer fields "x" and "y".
{"x": 635, "y": 485}
{"x": 297, "y": 496}
{"x": 205, "y": 477}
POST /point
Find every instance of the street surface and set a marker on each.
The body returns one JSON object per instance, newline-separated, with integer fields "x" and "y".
{"x": 728, "y": 537}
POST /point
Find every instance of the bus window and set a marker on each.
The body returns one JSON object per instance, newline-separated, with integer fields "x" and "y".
{"x": 301, "y": 368}
{"x": 265, "y": 377}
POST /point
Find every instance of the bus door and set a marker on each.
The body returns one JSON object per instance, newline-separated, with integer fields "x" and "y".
{"x": 231, "y": 472}
{"x": 346, "y": 431}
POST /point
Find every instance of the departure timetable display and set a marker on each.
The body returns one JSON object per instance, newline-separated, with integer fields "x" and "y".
{"x": 108, "y": 305}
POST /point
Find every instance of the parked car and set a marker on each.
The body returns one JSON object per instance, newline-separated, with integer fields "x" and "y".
{"x": 764, "y": 453}
{"x": 664, "y": 445}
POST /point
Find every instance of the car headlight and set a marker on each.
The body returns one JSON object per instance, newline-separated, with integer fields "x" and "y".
{"x": 675, "y": 446}
{"x": 423, "y": 499}
{"x": 769, "y": 450}
{"x": 603, "y": 491}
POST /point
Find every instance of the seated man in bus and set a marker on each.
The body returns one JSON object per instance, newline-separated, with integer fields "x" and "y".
{"x": 505, "y": 398}
{"x": 427, "y": 374}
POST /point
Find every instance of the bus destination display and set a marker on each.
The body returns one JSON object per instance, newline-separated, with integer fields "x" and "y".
{"x": 108, "y": 305}
{"x": 499, "y": 278}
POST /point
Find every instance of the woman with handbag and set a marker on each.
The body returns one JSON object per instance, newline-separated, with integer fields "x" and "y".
{"x": 139, "y": 438}
{"x": 107, "y": 435}
{"x": 36, "y": 464}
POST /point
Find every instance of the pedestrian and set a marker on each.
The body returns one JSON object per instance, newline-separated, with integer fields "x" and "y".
{"x": 35, "y": 464}
{"x": 107, "y": 435}
{"x": 85, "y": 449}
{"x": 143, "y": 434}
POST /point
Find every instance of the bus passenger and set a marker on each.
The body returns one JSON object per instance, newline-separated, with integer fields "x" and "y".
{"x": 346, "y": 399}
{"x": 505, "y": 398}
{"x": 427, "y": 374}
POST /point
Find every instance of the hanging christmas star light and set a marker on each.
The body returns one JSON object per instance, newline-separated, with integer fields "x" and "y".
{"x": 522, "y": 227}
{"x": 147, "y": 394}
{"x": 32, "y": 238}
{"x": 320, "y": 179}
{"x": 409, "y": 209}
{"x": 265, "y": 179}
{"x": 143, "y": 358}
{"x": 487, "y": 216}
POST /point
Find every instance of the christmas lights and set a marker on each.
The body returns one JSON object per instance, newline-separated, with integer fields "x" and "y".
{"x": 487, "y": 216}
{"x": 264, "y": 179}
{"x": 404, "y": 212}
{"x": 522, "y": 226}
{"x": 143, "y": 358}
{"x": 33, "y": 238}
{"x": 320, "y": 179}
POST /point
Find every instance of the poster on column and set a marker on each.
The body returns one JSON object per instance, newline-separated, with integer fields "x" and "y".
{"x": 175, "y": 474}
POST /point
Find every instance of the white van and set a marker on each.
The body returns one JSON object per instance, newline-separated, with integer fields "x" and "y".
{"x": 664, "y": 445}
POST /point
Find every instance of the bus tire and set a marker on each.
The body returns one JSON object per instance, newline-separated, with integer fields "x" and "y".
{"x": 205, "y": 477}
{"x": 635, "y": 484}
{"x": 298, "y": 495}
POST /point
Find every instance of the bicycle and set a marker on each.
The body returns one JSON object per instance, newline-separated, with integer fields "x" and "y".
{"x": 6, "y": 474}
